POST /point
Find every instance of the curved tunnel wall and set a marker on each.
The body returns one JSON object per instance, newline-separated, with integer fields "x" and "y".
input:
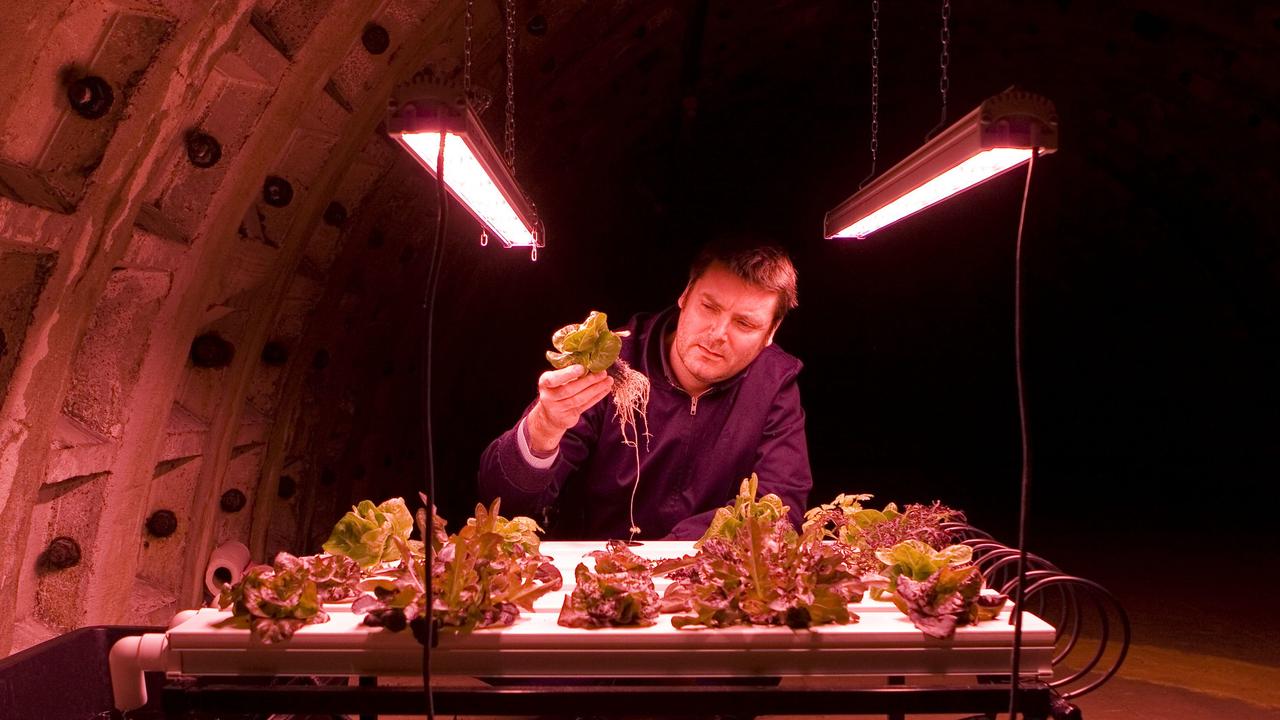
{"x": 200, "y": 230}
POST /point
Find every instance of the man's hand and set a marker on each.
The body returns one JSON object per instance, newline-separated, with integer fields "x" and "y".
{"x": 563, "y": 395}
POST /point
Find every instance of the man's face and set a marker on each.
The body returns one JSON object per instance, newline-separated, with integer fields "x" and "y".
{"x": 724, "y": 324}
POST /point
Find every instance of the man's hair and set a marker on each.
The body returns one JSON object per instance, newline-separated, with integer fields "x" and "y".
{"x": 758, "y": 263}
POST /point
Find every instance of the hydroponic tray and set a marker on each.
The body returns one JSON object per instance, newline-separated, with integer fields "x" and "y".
{"x": 883, "y": 642}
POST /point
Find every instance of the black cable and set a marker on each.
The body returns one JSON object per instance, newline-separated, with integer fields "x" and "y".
{"x": 1026, "y": 444}
{"x": 429, "y": 305}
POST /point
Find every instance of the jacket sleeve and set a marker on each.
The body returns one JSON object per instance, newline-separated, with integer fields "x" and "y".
{"x": 528, "y": 490}
{"x": 782, "y": 463}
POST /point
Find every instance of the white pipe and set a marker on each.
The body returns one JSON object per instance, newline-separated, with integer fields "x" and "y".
{"x": 228, "y": 560}
{"x": 130, "y": 658}
{"x": 181, "y": 617}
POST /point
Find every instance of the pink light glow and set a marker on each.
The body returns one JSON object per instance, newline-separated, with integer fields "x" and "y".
{"x": 961, "y": 177}
{"x": 467, "y": 179}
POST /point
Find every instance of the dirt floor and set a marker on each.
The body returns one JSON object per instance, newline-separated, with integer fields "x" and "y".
{"x": 1206, "y": 637}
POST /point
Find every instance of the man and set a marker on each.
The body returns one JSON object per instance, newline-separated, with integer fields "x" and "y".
{"x": 723, "y": 404}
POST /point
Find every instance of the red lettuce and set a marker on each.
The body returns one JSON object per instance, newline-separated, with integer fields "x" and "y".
{"x": 274, "y": 601}
{"x": 605, "y": 599}
{"x": 937, "y": 589}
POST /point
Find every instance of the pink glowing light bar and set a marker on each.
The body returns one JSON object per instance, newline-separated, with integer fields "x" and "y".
{"x": 998, "y": 135}
{"x": 474, "y": 171}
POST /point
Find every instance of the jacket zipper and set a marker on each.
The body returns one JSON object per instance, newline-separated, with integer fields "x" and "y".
{"x": 693, "y": 400}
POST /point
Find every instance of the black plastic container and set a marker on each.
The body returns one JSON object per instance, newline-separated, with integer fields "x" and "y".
{"x": 67, "y": 678}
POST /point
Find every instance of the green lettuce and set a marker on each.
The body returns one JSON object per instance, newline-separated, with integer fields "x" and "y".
{"x": 592, "y": 344}
{"x": 490, "y": 571}
{"x": 518, "y": 531}
{"x": 367, "y": 534}
{"x": 484, "y": 575}
{"x": 729, "y": 520}
{"x": 918, "y": 561}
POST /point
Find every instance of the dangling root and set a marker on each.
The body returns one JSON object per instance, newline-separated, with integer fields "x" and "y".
{"x": 631, "y": 398}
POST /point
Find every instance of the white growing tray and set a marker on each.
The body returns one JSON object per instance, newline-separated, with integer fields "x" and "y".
{"x": 882, "y": 642}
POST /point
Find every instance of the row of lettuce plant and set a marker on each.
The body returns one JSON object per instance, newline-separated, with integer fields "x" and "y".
{"x": 750, "y": 567}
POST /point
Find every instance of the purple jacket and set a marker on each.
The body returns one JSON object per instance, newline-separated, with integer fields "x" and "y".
{"x": 699, "y": 452}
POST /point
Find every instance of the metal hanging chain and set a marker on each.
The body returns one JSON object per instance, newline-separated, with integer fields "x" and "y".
{"x": 511, "y": 86}
{"x": 875, "y": 89}
{"x": 944, "y": 60}
{"x": 469, "y": 21}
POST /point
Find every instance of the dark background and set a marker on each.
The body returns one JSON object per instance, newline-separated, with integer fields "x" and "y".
{"x": 1151, "y": 264}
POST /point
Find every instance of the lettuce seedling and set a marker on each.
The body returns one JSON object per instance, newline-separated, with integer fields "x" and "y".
{"x": 753, "y": 567}
{"x": 274, "y": 601}
{"x": 937, "y": 589}
{"x": 917, "y": 560}
{"x": 482, "y": 576}
{"x": 745, "y": 510}
{"x": 949, "y": 597}
{"x": 394, "y": 597}
{"x": 867, "y": 530}
{"x": 367, "y": 533}
{"x": 594, "y": 346}
{"x": 607, "y": 599}
{"x": 336, "y": 577}
{"x": 590, "y": 344}
{"x": 620, "y": 591}
{"x": 492, "y": 569}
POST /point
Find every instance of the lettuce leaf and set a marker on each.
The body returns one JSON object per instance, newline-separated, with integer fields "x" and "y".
{"x": 336, "y": 577}
{"x": 366, "y": 533}
{"x": 484, "y": 575}
{"x": 937, "y": 589}
{"x": 274, "y": 601}
{"x": 752, "y": 567}
{"x": 949, "y": 597}
{"x": 746, "y": 510}
{"x": 620, "y": 591}
{"x": 590, "y": 344}
{"x": 868, "y": 531}
{"x": 490, "y": 571}
{"x": 607, "y": 599}
{"x": 918, "y": 561}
